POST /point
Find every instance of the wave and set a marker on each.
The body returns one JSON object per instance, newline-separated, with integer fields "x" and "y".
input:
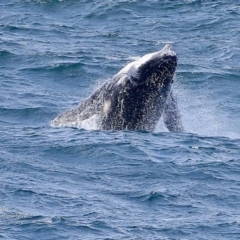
{"x": 6, "y": 53}
{"x": 57, "y": 67}
{"x": 29, "y": 115}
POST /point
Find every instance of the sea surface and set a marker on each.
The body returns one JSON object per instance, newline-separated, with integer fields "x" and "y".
{"x": 67, "y": 183}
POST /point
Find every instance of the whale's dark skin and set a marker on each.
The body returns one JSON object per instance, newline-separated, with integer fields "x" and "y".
{"x": 134, "y": 99}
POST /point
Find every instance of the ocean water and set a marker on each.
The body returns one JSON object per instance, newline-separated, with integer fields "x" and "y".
{"x": 66, "y": 183}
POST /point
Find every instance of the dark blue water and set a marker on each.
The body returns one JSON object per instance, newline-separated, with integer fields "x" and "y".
{"x": 65, "y": 183}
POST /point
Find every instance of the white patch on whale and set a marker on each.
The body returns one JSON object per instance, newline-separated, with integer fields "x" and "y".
{"x": 106, "y": 106}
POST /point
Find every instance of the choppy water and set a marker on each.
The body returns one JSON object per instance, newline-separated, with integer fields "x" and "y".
{"x": 64, "y": 183}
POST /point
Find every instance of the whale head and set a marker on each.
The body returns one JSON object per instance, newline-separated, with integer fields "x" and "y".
{"x": 153, "y": 70}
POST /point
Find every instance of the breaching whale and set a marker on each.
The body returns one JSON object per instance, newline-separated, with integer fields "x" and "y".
{"x": 134, "y": 99}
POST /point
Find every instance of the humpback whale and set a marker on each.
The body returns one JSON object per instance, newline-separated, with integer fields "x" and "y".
{"x": 134, "y": 99}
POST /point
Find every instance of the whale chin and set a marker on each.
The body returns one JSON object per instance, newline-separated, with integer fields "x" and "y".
{"x": 134, "y": 99}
